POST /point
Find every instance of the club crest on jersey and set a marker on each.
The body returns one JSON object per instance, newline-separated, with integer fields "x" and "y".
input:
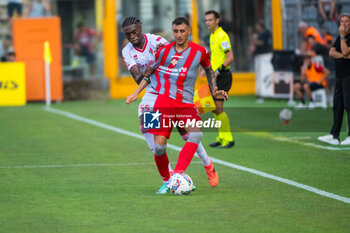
{"x": 174, "y": 62}
{"x": 183, "y": 70}
{"x": 135, "y": 56}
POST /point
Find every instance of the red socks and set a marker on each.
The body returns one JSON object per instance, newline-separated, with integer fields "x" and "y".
{"x": 185, "y": 157}
{"x": 162, "y": 165}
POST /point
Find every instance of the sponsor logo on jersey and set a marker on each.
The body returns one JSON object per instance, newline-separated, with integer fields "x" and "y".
{"x": 183, "y": 69}
{"x": 174, "y": 62}
{"x": 177, "y": 56}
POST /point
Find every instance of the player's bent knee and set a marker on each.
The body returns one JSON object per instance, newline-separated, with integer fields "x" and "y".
{"x": 195, "y": 137}
{"x": 159, "y": 150}
{"x": 185, "y": 137}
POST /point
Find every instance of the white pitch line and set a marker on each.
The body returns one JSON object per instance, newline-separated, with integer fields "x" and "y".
{"x": 300, "y": 137}
{"x": 81, "y": 165}
{"x": 78, "y": 165}
{"x": 311, "y": 144}
{"x": 219, "y": 161}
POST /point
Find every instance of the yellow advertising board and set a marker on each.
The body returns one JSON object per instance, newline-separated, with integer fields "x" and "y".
{"x": 12, "y": 84}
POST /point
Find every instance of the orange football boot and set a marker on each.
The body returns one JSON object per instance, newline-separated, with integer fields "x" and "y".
{"x": 212, "y": 175}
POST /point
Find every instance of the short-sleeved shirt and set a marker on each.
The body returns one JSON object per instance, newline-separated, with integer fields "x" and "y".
{"x": 342, "y": 66}
{"x": 85, "y": 38}
{"x": 266, "y": 47}
{"x": 175, "y": 73}
{"x": 219, "y": 45}
{"x": 144, "y": 57}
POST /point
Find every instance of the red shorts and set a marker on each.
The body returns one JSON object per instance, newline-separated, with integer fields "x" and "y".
{"x": 174, "y": 113}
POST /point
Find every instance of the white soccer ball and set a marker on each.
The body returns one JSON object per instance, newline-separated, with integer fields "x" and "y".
{"x": 180, "y": 184}
{"x": 286, "y": 115}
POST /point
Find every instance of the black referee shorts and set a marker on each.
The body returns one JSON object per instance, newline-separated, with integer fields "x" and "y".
{"x": 224, "y": 82}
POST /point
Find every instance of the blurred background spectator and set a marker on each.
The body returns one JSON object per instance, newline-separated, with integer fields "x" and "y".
{"x": 306, "y": 31}
{"x": 327, "y": 10}
{"x": 84, "y": 45}
{"x": 262, "y": 39}
{"x": 14, "y": 7}
{"x": 313, "y": 77}
{"x": 9, "y": 57}
{"x": 39, "y": 8}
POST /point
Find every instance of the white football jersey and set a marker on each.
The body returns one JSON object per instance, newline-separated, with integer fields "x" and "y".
{"x": 142, "y": 58}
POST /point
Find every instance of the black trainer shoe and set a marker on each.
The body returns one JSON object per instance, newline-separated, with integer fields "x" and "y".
{"x": 215, "y": 144}
{"x": 227, "y": 145}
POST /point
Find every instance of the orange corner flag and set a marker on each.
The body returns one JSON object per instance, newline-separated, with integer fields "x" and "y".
{"x": 203, "y": 99}
{"x": 47, "y": 52}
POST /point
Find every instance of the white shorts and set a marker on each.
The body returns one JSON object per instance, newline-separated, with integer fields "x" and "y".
{"x": 147, "y": 103}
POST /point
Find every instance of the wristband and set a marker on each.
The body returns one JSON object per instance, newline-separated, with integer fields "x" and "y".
{"x": 222, "y": 68}
{"x": 147, "y": 79}
{"x": 342, "y": 37}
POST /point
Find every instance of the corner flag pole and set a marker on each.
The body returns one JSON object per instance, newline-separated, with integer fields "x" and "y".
{"x": 47, "y": 60}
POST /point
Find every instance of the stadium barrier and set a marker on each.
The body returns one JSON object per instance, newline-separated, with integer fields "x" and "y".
{"x": 12, "y": 84}
{"x": 29, "y": 35}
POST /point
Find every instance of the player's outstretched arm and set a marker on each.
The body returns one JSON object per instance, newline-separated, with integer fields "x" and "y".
{"x": 131, "y": 98}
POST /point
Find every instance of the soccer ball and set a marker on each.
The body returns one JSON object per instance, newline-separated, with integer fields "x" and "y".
{"x": 180, "y": 184}
{"x": 286, "y": 115}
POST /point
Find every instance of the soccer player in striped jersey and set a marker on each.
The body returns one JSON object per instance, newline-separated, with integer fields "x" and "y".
{"x": 137, "y": 55}
{"x": 173, "y": 77}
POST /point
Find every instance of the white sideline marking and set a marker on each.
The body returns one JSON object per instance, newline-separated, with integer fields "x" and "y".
{"x": 253, "y": 171}
{"x": 300, "y": 137}
{"x": 82, "y": 165}
{"x": 293, "y": 140}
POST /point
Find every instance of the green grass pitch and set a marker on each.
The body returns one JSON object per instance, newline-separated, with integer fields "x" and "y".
{"x": 103, "y": 181}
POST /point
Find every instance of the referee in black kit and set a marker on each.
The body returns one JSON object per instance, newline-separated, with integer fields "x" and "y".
{"x": 341, "y": 54}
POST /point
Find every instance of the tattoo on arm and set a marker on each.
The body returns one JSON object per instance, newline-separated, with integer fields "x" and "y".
{"x": 138, "y": 78}
{"x": 211, "y": 77}
{"x": 136, "y": 74}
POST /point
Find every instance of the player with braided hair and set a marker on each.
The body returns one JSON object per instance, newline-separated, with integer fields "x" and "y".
{"x": 129, "y": 21}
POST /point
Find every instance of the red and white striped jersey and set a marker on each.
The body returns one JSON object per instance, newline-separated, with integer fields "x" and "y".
{"x": 175, "y": 73}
